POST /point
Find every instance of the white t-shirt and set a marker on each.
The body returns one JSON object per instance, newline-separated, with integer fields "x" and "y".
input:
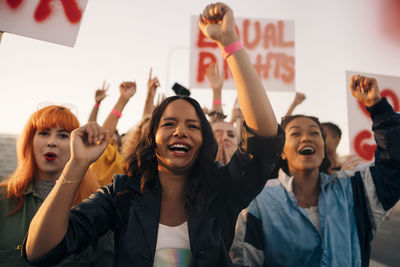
{"x": 173, "y": 246}
{"x": 313, "y": 215}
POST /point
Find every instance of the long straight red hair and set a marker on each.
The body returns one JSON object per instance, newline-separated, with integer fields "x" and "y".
{"x": 45, "y": 118}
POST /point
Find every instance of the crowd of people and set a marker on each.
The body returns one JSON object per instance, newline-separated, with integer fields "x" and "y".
{"x": 186, "y": 187}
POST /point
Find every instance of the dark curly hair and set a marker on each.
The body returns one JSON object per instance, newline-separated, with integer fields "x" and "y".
{"x": 282, "y": 164}
{"x": 142, "y": 162}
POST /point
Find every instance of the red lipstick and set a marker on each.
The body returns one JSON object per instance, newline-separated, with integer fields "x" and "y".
{"x": 50, "y": 156}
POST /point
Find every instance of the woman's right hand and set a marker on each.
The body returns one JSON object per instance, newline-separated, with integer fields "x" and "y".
{"x": 365, "y": 89}
{"x": 88, "y": 142}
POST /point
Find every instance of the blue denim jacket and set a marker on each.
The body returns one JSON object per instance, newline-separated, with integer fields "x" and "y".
{"x": 274, "y": 231}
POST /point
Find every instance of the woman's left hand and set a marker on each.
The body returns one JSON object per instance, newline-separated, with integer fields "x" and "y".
{"x": 365, "y": 90}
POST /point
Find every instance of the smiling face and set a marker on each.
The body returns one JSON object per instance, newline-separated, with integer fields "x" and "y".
{"x": 178, "y": 138}
{"x": 226, "y": 133}
{"x": 51, "y": 151}
{"x": 304, "y": 145}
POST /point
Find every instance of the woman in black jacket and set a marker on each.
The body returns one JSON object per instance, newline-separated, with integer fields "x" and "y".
{"x": 175, "y": 206}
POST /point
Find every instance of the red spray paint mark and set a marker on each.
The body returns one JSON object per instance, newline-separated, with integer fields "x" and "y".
{"x": 43, "y": 9}
{"x": 390, "y": 95}
{"x": 366, "y": 151}
{"x": 14, "y": 3}
{"x": 71, "y": 10}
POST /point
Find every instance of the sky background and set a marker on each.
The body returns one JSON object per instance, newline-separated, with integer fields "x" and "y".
{"x": 121, "y": 40}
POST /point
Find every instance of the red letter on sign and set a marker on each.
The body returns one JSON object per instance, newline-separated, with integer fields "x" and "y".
{"x": 282, "y": 42}
{"x": 202, "y": 65}
{"x": 71, "y": 10}
{"x": 366, "y": 151}
{"x": 270, "y": 36}
{"x": 14, "y": 3}
{"x": 390, "y": 95}
{"x": 251, "y": 44}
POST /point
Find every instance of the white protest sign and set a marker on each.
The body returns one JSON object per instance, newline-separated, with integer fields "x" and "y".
{"x": 269, "y": 43}
{"x": 55, "y": 21}
{"x": 361, "y": 136}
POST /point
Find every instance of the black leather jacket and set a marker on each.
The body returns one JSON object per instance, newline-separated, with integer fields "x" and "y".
{"x": 229, "y": 189}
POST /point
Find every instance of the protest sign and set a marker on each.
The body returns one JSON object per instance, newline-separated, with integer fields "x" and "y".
{"x": 56, "y": 21}
{"x": 360, "y": 134}
{"x": 269, "y": 43}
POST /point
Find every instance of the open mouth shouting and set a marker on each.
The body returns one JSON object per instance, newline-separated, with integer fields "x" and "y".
{"x": 307, "y": 151}
{"x": 179, "y": 148}
{"x": 50, "y": 156}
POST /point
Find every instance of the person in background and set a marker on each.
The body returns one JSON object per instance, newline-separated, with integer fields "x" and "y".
{"x": 216, "y": 81}
{"x": 111, "y": 161}
{"x": 227, "y": 140}
{"x": 306, "y": 217}
{"x": 99, "y": 96}
{"x": 152, "y": 85}
{"x": 133, "y": 136}
{"x": 224, "y": 132}
{"x": 333, "y": 135}
{"x": 237, "y": 119}
{"x": 175, "y": 200}
{"x": 43, "y": 149}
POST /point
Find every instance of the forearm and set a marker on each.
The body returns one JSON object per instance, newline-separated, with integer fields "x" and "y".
{"x": 217, "y": 100}
{"x": 94, "y": 112}
{"x": 290, "y": 110}
{"x": 386, "y": 172}
{"x": 256, "y": 108}
{"x": 49, "y": 225}
{"x": 148, "y": 105}
{"x": 110, "y": 124}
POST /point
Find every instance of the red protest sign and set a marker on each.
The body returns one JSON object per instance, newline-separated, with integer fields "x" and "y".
{"x": 360, "y": 134}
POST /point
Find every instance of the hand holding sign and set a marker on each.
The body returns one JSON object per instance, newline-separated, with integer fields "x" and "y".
{"x": 217, "y": 23}
{"x": 365, "y": 90}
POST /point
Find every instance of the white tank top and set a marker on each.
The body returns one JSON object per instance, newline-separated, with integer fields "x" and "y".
{"x": 173, "y": 246}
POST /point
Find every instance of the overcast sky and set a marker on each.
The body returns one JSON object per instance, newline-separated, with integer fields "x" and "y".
{"x": 121, "y": 40}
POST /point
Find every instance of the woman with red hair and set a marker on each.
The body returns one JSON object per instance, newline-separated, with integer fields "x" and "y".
{"x": 43, "y": 149}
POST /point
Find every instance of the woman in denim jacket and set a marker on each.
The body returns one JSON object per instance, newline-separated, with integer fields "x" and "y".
{"x": 306, "y": 217}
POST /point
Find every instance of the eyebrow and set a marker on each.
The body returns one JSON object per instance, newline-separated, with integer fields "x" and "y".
{"x": 297, "y": 127}
{"x": 62, "y": 131}
{"x": 174, "y": 119}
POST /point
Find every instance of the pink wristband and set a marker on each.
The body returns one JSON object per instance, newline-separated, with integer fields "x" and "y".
{"x": 232, "y": 48}
{"x": 116, "y": 113}
{"x": 97, "y": 104}
{"x": 217, "y": 102}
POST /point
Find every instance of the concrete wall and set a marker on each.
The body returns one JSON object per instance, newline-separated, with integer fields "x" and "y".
{"x": 8, "y": 154}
